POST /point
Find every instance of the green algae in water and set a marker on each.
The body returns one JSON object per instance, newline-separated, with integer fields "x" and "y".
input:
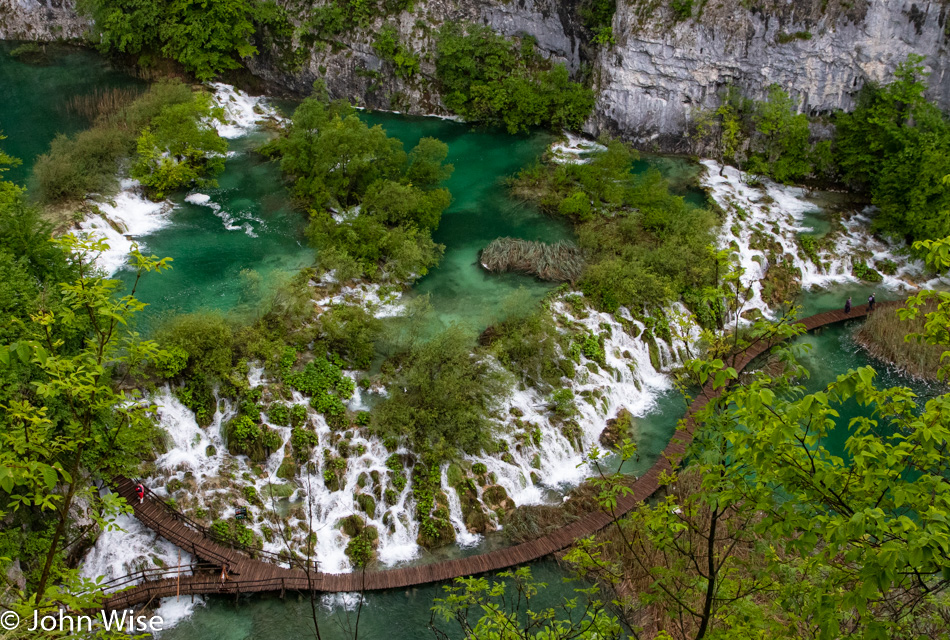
{"x": 34, "y": 102}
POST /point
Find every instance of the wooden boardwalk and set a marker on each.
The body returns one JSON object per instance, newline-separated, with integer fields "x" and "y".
{"x": 247, "y": 574}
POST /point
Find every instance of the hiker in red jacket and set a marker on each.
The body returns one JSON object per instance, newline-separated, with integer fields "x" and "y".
{"x": 140, "y": 492}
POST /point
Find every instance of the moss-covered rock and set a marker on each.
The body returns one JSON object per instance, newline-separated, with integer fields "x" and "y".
{"x": 361, "y": 549}
{"x": 435, "y": 532}
{"x": 366, "y": 503}
{"x": 352, "y": 525}
{"x": 619, "y": 427}
{"x": 287, "y": 469}
{"x": 496, "y": 498}
{"x": 455, "y": 475}
{"x": 211, "y": 451}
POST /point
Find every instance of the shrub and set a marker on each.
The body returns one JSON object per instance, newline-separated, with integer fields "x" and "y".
{"x": 180, "y": 148}
{"x": 80, "y": 165}
{"x": 298, "y": 415}
{"x": 303, "y": 441}
{"x": 389, "y": 47}
{"x": 351, "y": 331}
{"x": 861, "y": 270}
{"x": 682, "y": 9}
{"x": 207, "y": 339}
{"x": 279, "y": 414}
{"x": 562, "y": 403}
{"x": 488, "y": 78}
{"x": 441, "y": 397}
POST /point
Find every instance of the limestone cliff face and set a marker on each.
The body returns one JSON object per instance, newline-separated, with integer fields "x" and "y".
{"x": 43, "y": 20}
{"x": 659, "y": 70}
{"x": 821, "y": 51}
{"x": 354, "y": 70}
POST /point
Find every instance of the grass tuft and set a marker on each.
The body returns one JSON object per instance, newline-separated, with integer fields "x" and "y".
{"x": 883, "y": 336}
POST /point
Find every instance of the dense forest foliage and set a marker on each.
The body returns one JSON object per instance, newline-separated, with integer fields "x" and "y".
{"x": 896, "y": 145}
{"x": 206, "y": 38}
{"x": 485, "y": 77}
{"x": 373, "y": 207}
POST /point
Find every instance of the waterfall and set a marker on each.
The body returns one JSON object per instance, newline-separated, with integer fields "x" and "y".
{"x": 777, "y": 213}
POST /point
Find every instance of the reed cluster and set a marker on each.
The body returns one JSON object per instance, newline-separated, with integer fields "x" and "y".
{"x": 102, "y": 102}
{"x": 883, "y": 335}
{"x": 557, "y": 262}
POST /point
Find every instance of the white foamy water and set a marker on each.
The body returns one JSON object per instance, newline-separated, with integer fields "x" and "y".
{"x": 574, "y": 149}
{"x": 124, "y": 220}
{"x": 129, "y": 549}
{"x": 233, "y": 220}
{"x": 379, "y": 300}
{"x": 777, "y": 213}
{"x": 174, "y": 610}
{"x": 242, "y": 112}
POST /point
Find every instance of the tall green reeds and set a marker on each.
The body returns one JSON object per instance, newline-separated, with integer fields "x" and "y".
{"x": 558, "y": 262}
{"x": 883, "y": 337}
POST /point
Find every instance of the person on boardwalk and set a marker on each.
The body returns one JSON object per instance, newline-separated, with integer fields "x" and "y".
{"x": 847, "y": 306}
{"x": 871, "y": 302}
{"x": 140, "y": 492}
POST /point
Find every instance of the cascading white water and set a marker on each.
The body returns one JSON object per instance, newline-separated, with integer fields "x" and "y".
{"x": 777, "y": 212}
{"x": 127, "y": 216}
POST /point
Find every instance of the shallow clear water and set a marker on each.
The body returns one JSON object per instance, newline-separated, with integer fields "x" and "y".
{"x": 402, "y": 614}
{"x": 219, "y": 252}
{"x": 34, "y": 98}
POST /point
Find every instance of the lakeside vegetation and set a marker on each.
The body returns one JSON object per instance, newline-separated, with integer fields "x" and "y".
{"x": 888, "y": 337}
{"x": 644, "y": 247}
{"x": 165, "y": 134}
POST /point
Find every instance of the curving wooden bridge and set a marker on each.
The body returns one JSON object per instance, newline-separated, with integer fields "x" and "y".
{"x": 256, "y": 572}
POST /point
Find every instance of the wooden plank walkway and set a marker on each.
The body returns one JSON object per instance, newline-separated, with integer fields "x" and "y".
{"x": 247, "y": 574}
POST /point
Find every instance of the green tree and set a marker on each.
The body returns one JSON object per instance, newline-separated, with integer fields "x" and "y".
{"x": 75, "y": 422}
{"x": 896, "y": 144}
{"x": 373, "y": 208}
{"x": 206, "y": 36}
{"x": 781, "y": 148}
{"x": 487, "y": 78}
{"x": 503, "y": 609}
{"x": 180, "y": 148}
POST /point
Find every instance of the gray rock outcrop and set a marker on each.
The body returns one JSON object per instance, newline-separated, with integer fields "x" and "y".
{"x": 660, "y": 69}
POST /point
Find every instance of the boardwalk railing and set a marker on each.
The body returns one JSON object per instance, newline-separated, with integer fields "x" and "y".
{"x": 253, "y": 575}
{"x": 125, "y": 485}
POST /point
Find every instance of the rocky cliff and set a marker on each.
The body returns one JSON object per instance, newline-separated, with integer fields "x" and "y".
{"x": 669, "y": 56}
{"x": 820, "y": 51}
